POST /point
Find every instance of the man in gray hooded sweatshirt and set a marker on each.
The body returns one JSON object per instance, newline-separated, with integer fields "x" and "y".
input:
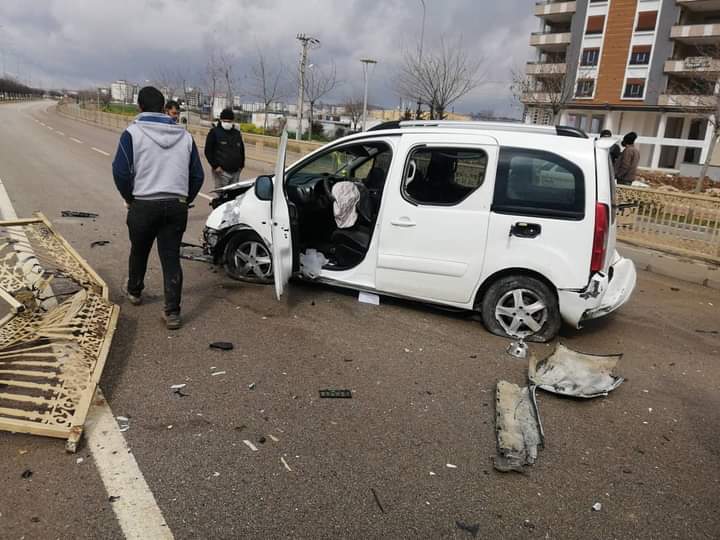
{"x": 158, "y": 172}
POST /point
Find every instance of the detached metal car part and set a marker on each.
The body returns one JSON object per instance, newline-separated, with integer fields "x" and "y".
{"x": 518, "y": 428}
{"x": 572, "y": 373}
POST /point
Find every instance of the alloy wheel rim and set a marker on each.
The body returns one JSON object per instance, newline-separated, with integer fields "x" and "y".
{"x": 521, "y": 313}
{"x": 252, "y": 260}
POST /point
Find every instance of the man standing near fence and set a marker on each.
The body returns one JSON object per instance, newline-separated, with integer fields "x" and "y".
{"x": 225, "y": 151}
{"x": 627, "y": 164}
{"x": 158, "y": 172}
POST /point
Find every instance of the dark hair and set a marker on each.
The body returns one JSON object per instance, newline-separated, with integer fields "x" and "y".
{"x": 629, "y": 138}
{"x": 171, "y": 104}
{"x": 227, "y": 114}
{"x": 150, "y": 99}
{"x": 606, "y": 133}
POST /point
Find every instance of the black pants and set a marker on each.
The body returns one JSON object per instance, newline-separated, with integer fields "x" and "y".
{"x": 165, "y": 220}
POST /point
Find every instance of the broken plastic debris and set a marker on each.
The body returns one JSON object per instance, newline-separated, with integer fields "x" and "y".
{"x": 518, "y": 429}
{"x": 329, "y": 393}
{"x": 79, "y": 460}
{"x": 251, "y": 386}
{"x": 218, "y": 373}
{"x": 177, "y": 386}
{"x": 369, "y": 298}
{"x": 99, "y": 243}
{"x": 285, "y": 464}
{"x": 222, "y": 345}
{"x": 432, "y": 473}
{"x": 451, "y": 466}
{"x": 250, "y": 445}
{"x": 597, "y": 507}
{"x": 75, "y": 213}
{"x": 274, "y": 438}
{"x": 216, "y": 474}
{"x": 518, "y": 349}
{"x": 311, "y": 263}
{"x": 572, "y": 373}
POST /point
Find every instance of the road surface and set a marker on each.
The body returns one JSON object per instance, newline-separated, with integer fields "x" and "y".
{"x": 423, "y": 388}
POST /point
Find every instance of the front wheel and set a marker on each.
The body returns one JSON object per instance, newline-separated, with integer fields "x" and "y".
{"x": 247, "y": 258}
{"x": 521, "y": 307}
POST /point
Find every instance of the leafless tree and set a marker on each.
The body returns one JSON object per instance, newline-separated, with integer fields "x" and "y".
{"x": 219, "y": 73}
{"x": 552, "y": 88}
{"x": 319, "y": 82}
{"x": 438, "y": 78}
{"x": 354, "y": 108}
{"x": 168, "y": 80}
{"x": 266, "y": 83}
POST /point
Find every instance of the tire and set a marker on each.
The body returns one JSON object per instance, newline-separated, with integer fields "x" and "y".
{"x": 521, "y": 306}
{"x": 247, "y": 258}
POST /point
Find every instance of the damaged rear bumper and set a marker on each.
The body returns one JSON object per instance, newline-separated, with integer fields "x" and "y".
{"x": 604, "y": 294}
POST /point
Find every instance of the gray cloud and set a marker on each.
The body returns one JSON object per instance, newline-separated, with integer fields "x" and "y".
{"x": 82, "y": 43}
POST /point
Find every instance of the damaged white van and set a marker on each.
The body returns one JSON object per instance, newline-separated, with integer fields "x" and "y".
{"x": 516, "y": 222}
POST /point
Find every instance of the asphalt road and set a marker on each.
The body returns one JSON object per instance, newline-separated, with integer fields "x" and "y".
{"x": 423, "y": 390}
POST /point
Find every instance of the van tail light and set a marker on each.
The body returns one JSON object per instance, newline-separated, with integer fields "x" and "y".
{"x": 600, "y": 236}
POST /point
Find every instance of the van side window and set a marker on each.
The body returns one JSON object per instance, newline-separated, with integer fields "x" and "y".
{"x": 538, "y": 183}
{"x": 443, "y": 176}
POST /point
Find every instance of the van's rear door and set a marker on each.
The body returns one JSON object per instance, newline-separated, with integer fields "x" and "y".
{"x": 606, "y": 194}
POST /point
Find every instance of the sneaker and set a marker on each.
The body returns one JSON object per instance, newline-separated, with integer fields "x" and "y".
{"x": 133, "y": 299}
{"x": 172, "y": 320}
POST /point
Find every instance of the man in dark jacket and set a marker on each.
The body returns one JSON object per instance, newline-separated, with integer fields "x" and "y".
{"x": 158, "y": 172}
{"x": 627, "y": 164}
{"x": 225, "y": 151}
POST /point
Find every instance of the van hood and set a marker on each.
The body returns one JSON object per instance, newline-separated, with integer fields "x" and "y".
{"x": 160, "y": 129}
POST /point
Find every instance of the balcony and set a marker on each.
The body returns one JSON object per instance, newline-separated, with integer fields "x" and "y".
{"x": 555, "y": 12}
{"x": 538, "y": 98}
{"x": 550, "y": 41}
{"x": 700, "y": 5}
{"x": 695, "y": 66}
{"x": 545, "y": 69}
{"x": 686, "y": 101}
{"x": 696, "y": 34}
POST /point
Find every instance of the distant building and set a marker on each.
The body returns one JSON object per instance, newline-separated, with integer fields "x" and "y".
{"x": 123, "y": 92}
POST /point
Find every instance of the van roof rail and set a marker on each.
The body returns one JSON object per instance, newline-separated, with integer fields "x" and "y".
{"x": 563, "y": 131}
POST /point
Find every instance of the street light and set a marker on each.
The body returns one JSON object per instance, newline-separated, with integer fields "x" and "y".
{"x": 306, "y": 42}
{"x": 366, "y": 62}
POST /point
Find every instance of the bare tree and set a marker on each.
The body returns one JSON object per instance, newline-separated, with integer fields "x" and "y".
{"x": 266, "y": 83}
{"x": 319, "y": 83}
{"x": 552, "y": 87}
{"x": 168, "y": 81}
{"x": 218, "y": 73}
{"x": 354, "y": 108}
{"x": 438, "y": 78}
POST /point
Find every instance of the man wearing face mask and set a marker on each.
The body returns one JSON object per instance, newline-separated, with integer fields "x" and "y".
{"x": 225, "y": 151}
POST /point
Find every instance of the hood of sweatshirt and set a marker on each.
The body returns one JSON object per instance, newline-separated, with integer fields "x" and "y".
{"x": 160, "y": 129}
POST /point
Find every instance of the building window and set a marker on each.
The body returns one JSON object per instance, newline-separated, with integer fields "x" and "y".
{"x": 634, "y": 88}
{"x": 590, "y": 57}
{"x": 585, "y": 88}
{"x": 646, "y": 21}
{"x": 640, "y": 55}
{"x": 595, "y": 24}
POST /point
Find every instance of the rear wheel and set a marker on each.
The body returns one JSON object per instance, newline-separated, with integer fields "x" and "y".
{"x": 521, "y": 307}
{"x": 247, "y": 258}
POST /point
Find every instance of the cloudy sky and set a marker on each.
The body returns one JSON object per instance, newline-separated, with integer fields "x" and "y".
{"x": 84, "y": 43}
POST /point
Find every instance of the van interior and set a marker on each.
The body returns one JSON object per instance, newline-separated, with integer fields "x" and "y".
{"x": 311, "y": 199}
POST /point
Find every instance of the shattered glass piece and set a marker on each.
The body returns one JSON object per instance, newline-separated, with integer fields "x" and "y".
{"x": 518, "y": 429}
{"x": 572, "y": 373}
{"x": 311, "y": 263}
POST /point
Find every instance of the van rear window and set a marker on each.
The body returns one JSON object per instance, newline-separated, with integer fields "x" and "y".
{"x": 538, "y": 183}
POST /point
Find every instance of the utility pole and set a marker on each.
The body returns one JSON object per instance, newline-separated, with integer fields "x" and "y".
{"x": 420, "y": 53}
{"x": 305, "y": 42}
{"x": 366, "y": 62}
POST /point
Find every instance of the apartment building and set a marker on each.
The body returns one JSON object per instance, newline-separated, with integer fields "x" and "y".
{"x": 649, "y": 66}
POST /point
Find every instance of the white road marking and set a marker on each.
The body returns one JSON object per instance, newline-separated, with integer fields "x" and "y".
{"x": 135, "y": 508}
{"x": 49, "y": 127}
{"x": 76, "y": 140}
{"x": 103, "y": 152}
{"x": 60, "y": 133}
{"x": 208, "y": 197}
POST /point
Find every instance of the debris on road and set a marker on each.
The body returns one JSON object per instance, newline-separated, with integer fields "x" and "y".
{"x": 451, "y": 466}
{"x": 329, "y": 393}
{"x": 518, "y": 428}
{"x": 99, "y": 243}
{"x": 251, "y": 386}
{"x": 471, "y": 529}
{"x": 597, "y": 507}
{"x": 123, "y": 423}
{"x": 75, "y": 213}
{"x": 312, "y": 262}
{"x": 377, "y": 500}
{"x": 369, "y": 298}
{"x": 218, "y": 373}
{"x": 274, "y": 438}
{"x": 27, "y": 473}
{"x": 518, "y": 349}
{"x": 285, "y": 464}
{"x": 113, "y": 498}
{"x": 572, "y": 373}
{"x": 222, "y": 345}
{"x": 707, "y": 332}
{"x": 178, "y": 386}
{"x": 79, "y": 460}
{"x": 250, "y": 445}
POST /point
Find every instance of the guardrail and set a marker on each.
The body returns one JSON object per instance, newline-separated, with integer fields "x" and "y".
{"x": 678, "y": 223}
{"x": 257, "y": 147}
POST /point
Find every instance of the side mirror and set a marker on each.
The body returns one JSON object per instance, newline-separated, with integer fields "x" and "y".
{"x": 264, "y": 188}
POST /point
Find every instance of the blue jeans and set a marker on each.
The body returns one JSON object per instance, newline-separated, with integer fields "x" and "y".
{"x": 166, "y": 221}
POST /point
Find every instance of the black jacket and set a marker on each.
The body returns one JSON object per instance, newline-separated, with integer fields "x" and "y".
{"x": 225, "y": 149}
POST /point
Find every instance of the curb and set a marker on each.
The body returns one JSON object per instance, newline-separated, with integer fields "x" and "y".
{"x": 664, "y": 264}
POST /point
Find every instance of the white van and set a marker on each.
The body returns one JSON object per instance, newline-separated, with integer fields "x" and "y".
{"x": 514, "y": 221}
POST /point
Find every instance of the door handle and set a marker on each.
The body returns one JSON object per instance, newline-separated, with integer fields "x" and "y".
{"x": 525, "y": 230}
{"x": 403, "y": 222}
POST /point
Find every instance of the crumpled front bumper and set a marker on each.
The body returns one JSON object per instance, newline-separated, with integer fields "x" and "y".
{"x": 604, "y": 294}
